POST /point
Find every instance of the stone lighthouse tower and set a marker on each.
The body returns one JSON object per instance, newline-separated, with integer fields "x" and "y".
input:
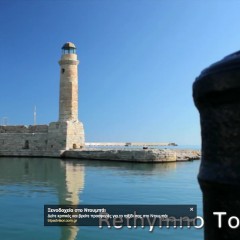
{"x": 68, "y": 132}
{"x": 68, "y": 101}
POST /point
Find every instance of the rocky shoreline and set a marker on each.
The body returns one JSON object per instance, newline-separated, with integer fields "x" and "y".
{"x": 133, "y": 155}
{"x": 187, "y": 154}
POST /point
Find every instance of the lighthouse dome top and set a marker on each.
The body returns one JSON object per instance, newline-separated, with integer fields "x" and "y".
{"x": 68, "y": 45}
{"x": 68, "y": 48}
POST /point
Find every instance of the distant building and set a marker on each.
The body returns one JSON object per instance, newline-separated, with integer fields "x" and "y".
{"x": 66, "y": 133}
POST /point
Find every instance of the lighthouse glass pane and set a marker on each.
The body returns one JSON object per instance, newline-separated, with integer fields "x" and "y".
{"x": 71, "y": 50}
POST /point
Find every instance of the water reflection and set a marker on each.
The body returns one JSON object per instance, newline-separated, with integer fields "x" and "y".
{"x": 70, "y": 194}
{"x": 66, "y": 178}
{"x": 134, "y": 168}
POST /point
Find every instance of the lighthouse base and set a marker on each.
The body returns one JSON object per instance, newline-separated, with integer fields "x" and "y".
{"x": 65, "y": 135}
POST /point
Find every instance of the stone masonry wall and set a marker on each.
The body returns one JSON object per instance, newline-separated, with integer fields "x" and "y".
{"x": 39, "y": 139}
{"x": 57, "y": 136}
{"x": 65, "y": 135}
{"x": 75, "y": 135}
{"x": 14, "y": 138}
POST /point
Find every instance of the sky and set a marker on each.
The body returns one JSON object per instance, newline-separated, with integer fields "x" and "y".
{"x": 138, "y": 61}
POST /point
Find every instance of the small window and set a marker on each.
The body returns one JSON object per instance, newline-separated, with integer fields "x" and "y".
{"x": 74, "y": 146}
{"x": 63, "y": 70}
{"x": 26, "y": 145}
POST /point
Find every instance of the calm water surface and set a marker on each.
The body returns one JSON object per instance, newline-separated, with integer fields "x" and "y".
{"x": 26, "y": 184}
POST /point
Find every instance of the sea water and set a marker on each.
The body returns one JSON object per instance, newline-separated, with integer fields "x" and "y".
{"x": 27, "y": 184}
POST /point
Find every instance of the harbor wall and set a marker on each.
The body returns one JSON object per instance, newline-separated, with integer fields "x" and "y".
{"x": 150, "y": 156}
{"x": 15, "y": 138}
{"x": 39, "y": 140}
{"x": 122, "y": 144}
{"x": 59, "y": 139}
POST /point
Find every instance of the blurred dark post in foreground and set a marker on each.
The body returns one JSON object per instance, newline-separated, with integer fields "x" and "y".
{"x": 216, "y": 94}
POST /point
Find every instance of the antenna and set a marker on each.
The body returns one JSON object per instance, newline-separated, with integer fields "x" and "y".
{"x": 35, "y": 116}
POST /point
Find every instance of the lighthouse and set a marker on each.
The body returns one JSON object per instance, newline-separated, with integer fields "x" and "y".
{"x": 68, "y": 99}
{"x": 68, "y": 132}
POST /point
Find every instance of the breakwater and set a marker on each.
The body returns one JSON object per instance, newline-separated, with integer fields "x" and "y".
{"x": 147, "y": 156}
{"x": 126, "y": 144}
{"x": 127, "y": 155}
